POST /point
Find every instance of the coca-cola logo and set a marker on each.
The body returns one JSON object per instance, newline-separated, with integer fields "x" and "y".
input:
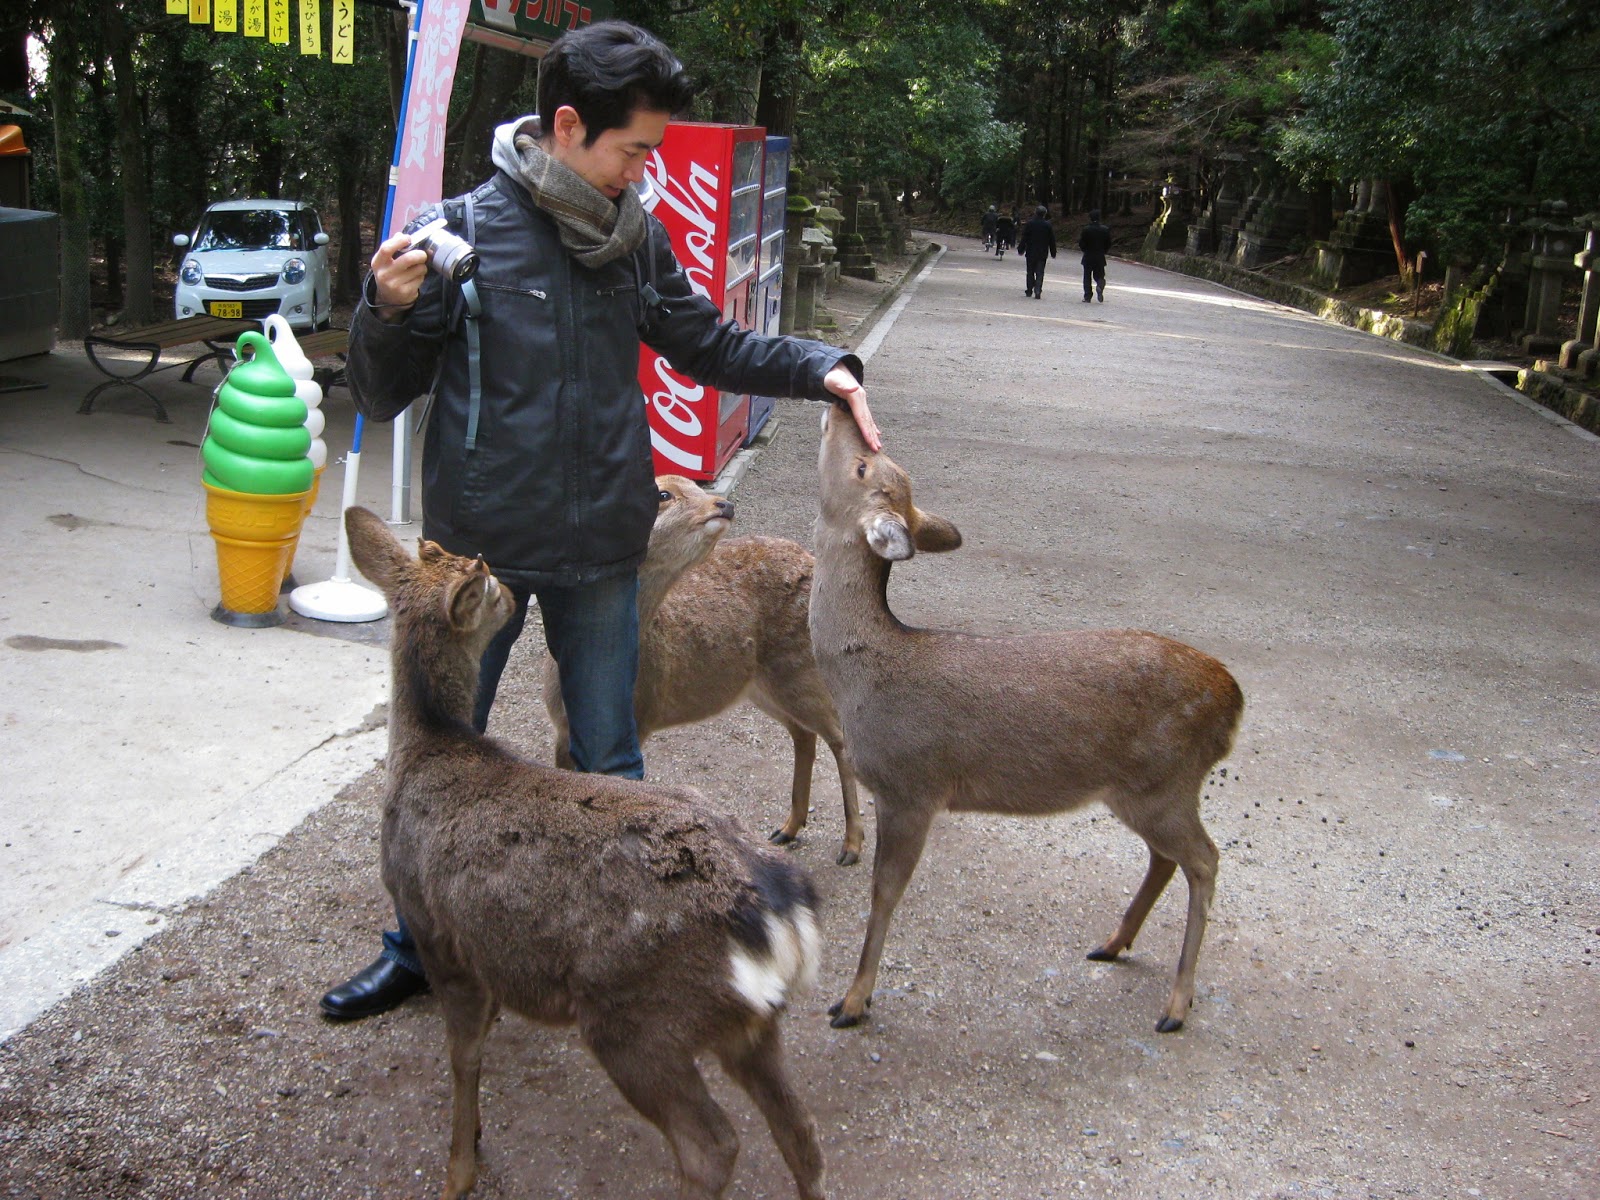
{"x": 692, "y": 200}
{"x": 674, "y": 403}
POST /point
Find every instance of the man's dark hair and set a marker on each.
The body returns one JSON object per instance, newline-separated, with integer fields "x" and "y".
{"x": 606, "y": 72}
{"x": 1094, "y": 215}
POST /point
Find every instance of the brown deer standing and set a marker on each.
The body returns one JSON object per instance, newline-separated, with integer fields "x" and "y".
{"x": 1027, "y": 725}
{"x": 633, "y": 911}
{"x": 721, "y": 622}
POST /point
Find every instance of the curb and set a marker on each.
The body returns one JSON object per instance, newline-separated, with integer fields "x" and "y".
{"x": 861, "y": 332}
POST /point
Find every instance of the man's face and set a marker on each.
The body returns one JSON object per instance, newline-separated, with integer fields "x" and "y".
{"x": 617, "y": 157}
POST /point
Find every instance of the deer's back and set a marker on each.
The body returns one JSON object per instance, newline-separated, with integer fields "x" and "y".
{"x": 1033, "y": 722}
{"x": 563, "y": 892}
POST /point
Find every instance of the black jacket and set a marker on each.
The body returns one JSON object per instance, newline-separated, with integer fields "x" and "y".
{"x": 1094, "y": 241}
{"x": 560, "y": 487}
{"x": 1038, "y": 239}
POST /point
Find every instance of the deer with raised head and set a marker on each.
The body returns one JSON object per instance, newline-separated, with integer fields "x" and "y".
{"x": 634, "y": 911}
{"x": 724, "y": 621}
{"x": 1026, "y": 724}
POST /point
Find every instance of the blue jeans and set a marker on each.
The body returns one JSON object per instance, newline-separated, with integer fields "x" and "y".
{"x": 593, "y": 634}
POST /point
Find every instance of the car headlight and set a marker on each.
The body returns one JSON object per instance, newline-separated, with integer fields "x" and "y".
{"x": 294, "y": 270}
{"x": 191, "y": 273}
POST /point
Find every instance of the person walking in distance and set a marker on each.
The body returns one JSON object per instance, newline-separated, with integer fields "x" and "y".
{"x": 990, "y": 219}
{"x": 1094, "y": 241}
{"x": 538, "y": 446}
{"x": 1038, "y": 240}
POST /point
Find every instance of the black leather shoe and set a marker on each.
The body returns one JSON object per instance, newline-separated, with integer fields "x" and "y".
{"x": 382, "y": 986}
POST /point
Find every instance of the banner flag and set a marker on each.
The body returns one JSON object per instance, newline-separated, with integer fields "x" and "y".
{"x": 225, "y": 16}
{"x": 344, "y": 31}
{"x": 278, "y": 22}
{"x": 199, "y": 12}
{"x": 311, "y": 27}
{"x": 255, "y": 18}
{"x": 419, "y": 174}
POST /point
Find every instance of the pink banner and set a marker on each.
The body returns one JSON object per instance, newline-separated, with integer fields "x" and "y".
{"x": 420, "y": 173}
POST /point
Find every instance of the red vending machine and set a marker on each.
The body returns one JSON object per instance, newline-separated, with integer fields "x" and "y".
{"x": 704, "y": 184}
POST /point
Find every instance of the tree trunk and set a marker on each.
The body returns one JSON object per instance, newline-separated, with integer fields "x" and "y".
{"x": 1399, "y": 193}
{"x": 65, "y": 60}
{"x": 139, "y": 289}
{"x": 496, "y": 77}
{"x": 347, "y": 275}
{"x": 777, "y": 105}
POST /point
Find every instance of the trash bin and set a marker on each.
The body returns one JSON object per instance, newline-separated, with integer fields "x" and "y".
{"x": 30, "y": 282}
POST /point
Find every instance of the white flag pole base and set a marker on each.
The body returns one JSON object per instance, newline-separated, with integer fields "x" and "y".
{"x": 339, "y": 598}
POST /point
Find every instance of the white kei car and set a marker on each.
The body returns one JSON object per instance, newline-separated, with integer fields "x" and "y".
{"x": 253, "y": 258}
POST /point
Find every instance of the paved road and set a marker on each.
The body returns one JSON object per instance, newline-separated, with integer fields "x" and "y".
{"x": 1396, "y": 558}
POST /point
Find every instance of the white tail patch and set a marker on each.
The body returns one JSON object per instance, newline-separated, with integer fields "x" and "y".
{"x": 767, "y": 981}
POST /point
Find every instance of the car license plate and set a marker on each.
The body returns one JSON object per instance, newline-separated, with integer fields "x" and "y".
{"x": 227, "y": 308}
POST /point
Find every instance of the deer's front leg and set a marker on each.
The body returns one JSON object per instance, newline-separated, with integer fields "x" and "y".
{"x": 901, "y": 836}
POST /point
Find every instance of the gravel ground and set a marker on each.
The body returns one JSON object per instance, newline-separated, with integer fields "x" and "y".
{"x": 1395, "y": 992}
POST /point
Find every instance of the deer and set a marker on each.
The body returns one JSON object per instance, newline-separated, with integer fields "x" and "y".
{"x": 1027, "y": 724}
{"x": 724, "y": 621}
{"x": 636, "y": 912}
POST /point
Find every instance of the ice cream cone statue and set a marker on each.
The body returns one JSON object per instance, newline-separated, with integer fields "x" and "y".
{"x": 258, "y": 474}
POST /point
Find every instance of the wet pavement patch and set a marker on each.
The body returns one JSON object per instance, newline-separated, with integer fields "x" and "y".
{"x": 27, "y": 641}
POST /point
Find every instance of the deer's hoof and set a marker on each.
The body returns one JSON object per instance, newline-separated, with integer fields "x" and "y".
{"x": 780, "y": 837}
{"x": 849, "y": 858}
{"x": 1168, "y": 1025}
{"x": 840, "y": 1018}
{"x": 1101, "y": 954}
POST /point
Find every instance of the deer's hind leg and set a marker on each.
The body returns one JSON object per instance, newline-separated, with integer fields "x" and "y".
{"x": 469, "y": 1011}
{"x": 1176, "y": 838}
{"x": 756, "y": 1065}
{"x": 660, "y": 1079}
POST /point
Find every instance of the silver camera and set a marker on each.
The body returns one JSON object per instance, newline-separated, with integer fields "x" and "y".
{"x": 449, "y": 255}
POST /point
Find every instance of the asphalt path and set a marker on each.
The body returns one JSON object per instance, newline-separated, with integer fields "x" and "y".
{"x": 1397, "y": 559}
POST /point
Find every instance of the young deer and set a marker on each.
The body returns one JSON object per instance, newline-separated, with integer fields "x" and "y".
{"x": 720, "y": 623}
{"x": 636, "y": 912}
{"x": 1030, "y": 724}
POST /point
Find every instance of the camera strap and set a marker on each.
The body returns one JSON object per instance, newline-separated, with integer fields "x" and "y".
{"x": 469, "y": 293}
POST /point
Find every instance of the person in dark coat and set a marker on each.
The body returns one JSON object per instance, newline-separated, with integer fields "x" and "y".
{"x": 1094, "y": 241}
{"x": 1005, "y": 230}
{"x": 1038, "y": 240}
{"x": 989, "y": 220}
{"x": 538, "y": 446}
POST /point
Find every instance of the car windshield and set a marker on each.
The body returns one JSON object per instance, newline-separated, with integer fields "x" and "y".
{"x": 249, "y": 229}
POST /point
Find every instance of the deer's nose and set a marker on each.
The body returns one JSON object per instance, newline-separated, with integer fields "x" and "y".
{"x": 725, "y": 509}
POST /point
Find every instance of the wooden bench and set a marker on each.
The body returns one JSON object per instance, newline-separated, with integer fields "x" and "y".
{"x": 216, "y": 334}
{"x": 330, "y": 343}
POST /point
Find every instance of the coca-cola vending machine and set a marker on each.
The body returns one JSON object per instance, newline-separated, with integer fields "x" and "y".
{"x": 705, "y": 184}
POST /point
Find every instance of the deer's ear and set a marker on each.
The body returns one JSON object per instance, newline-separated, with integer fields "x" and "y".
{"x": 430, "y": 552}
{"x": 375, "y": 550}
{"x": 889, "y": 538}
{"x": 933, "y": 534}
{"x": 468, "y": 597}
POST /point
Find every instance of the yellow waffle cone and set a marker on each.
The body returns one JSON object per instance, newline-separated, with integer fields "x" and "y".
{"x": 251, "y": 517}
{"x": 251, "y": 571}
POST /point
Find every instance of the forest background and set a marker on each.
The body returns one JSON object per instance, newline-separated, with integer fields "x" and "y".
{"x": 1465, "y": 112}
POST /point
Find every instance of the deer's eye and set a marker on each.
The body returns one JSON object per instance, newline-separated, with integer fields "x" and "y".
{"x": 861, "y": 470}
{"x": 664, "y": 496}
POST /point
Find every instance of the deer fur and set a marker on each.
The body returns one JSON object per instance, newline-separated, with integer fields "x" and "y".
{"x": 724, "y": 621}
{"x": 634, "y": 911}
{"x": 1025, "y": 725}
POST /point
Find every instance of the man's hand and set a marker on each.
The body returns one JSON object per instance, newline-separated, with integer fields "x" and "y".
{"x": 397, "y": 275}
{"x": 842, "y": 384}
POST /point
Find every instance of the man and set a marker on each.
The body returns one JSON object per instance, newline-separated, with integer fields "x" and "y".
{"x": 1038, "y": 239}
{"x": 538, "y": 447}
{"x": 991, "y": 217}
{"x": 1094, "y": 241}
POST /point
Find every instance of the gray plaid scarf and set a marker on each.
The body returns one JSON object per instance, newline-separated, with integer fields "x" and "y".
{"x": 593, "y": 229}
